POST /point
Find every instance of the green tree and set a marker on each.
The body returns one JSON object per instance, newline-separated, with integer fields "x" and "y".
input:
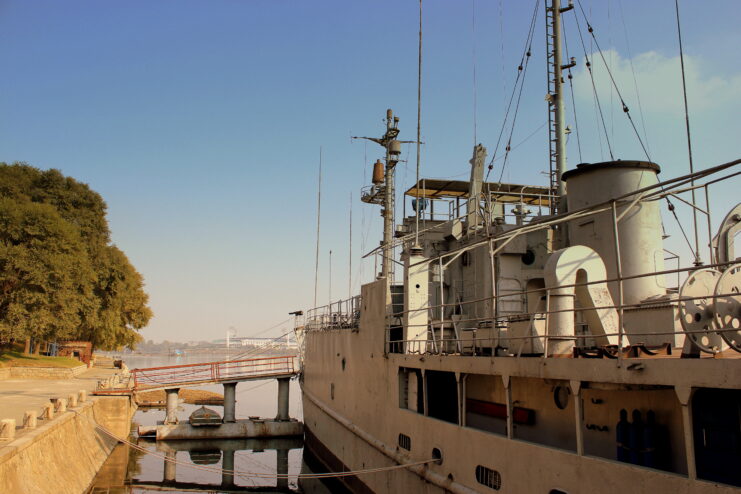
{"x": 93, "y": 291}
{"x": 45, "y": 275}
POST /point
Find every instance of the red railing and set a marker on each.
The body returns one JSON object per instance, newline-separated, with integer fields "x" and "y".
{"x": 212, "y": 372}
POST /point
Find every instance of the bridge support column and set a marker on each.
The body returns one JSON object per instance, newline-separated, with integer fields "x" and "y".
{"x": 227, "y": 468}
{"x": 230, "y": 402}
{"x": 281, "y": 468}
{"x": 283, "y": 395}
{"x": 170, "y": 466}
{"x": 171, "y": 416}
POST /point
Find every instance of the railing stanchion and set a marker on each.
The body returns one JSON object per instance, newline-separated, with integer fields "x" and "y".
{"x": 618, "y": 265}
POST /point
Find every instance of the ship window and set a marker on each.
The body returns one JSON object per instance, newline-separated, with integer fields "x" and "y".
{"x": 488, "y": 477}
{"x": 442, "y": 396}
{"x": 411, "y": 390}
{"x": 405, "y": 442}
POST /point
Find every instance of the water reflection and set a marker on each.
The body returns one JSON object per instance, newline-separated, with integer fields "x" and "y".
{"x": 202, "y": 466}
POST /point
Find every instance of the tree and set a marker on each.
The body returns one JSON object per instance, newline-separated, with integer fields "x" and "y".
{"x": 59, "y": 277}
{"x": 123, "y": 303}
{"x": 45, "y": 276}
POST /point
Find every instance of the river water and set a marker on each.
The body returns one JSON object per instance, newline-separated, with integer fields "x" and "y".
{"x": 199, "y": 463}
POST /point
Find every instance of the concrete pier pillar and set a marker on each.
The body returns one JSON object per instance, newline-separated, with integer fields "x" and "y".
{"x": 30, "y": 419}
{"x": 227, "y": 468}
{"x": 170, "y": 466}
{"x": 283, "y": 396}
{"x": 230, "y": 402}
{"x": 7, "y": 429}
{"x": 281, "y": 468}
{"x": 171, "y": 416}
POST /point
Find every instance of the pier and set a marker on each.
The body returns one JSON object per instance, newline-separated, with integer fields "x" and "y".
{"x": 229, "y": 373}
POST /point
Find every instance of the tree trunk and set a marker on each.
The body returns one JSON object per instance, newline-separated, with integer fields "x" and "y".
{"x": 36, "y": 347}
{"x": 27, "y": 347}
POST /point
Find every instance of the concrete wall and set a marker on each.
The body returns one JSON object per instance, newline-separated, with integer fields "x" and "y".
{"x": 41, "y": 372}
{"x": 64, "y": 454}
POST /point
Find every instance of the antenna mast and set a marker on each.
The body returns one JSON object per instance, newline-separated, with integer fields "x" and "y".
{"x": 556, "y": 118}
{"x": 387, "y": 190}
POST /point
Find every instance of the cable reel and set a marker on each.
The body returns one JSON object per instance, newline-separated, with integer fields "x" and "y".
{"x": 728, "y": 306}
{"x": 697, "y": 310}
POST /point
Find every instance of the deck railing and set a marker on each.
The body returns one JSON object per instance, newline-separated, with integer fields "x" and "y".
{"x": 343, "y": 314}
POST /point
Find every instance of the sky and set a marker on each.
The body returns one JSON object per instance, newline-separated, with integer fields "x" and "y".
{"x": 201, "y": 124}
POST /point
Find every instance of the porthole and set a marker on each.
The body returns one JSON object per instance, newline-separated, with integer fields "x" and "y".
{"x": 488, "y": 477}
{"x": 561, "y": 397}
{"x": 528, "y": 257}
{"x": 438, "y": 455}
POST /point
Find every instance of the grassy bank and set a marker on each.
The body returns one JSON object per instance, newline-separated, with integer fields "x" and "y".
{"x": 13, "y": 358}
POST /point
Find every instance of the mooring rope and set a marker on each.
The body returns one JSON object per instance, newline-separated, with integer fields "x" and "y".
{"x": 244, "y": 474}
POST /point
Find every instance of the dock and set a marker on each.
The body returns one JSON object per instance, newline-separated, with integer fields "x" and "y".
{"x": 228, "y": 373}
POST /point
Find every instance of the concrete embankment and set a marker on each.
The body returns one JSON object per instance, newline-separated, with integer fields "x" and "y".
{"x": 48, "y": 437}
{"x": 63, "y": 454}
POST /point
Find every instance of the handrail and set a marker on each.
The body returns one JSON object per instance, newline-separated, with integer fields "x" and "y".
{"x": 213, "y": 371}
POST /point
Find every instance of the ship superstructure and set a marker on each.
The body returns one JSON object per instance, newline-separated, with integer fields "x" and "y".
{"x": 534, "y": 342}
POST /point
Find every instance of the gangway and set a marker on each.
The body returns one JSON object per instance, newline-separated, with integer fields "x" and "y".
{"x": 228, "y": 371}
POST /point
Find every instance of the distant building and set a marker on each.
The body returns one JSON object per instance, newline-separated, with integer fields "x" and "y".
{"x": 258, "y": 342}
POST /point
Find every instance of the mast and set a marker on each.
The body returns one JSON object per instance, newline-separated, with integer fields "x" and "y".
{"x": 387, "y": 190}
{"x": 556, "y": 114}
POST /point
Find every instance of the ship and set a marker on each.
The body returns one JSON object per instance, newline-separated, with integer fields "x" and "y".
{"x": 528, "y": 352}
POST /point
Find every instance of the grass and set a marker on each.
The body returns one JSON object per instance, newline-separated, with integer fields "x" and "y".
{"x": 15, "y": 358}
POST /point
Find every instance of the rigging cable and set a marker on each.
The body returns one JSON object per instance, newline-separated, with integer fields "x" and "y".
{"x": 473, "y": 55}
{"x": 518, "y": 80}
{"x": 635, "y": 80}
{"x": 635, "y": 129}
{"x": 594, "y": 89}
{"x": 419, "y": 121}
{"x": 571, "y": 87}
{"x": 626, "y": 110}
{"x": 508, "y": 148}
{"x": 689, "y": 140}
{"x": 318, "y": 218}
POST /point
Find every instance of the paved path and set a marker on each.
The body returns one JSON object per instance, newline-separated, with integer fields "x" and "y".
{"x": 19, "y": 395}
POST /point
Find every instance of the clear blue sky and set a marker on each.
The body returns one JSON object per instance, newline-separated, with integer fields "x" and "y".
{"x": 200, "y": 123}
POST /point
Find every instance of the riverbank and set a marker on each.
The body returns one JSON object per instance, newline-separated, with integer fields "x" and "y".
{"x": 49, "y": 442}
{"x": 63, "y": 454}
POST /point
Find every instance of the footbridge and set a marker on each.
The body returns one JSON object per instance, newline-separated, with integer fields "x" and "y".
{"x": 228, "y": 373}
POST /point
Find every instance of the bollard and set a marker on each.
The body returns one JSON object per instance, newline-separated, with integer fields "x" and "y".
{"x": 48, "y": 412}
{"x": 72, "y": 400}
{"x": 61, "y": 405}
{"x": 83, "y": 396}
{"x": 7, "y": 429}
{"x": 30, "y": 419}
